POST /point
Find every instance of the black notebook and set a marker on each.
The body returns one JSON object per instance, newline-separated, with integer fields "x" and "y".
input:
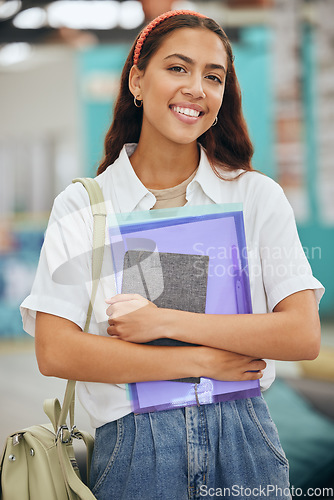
{"x": 169, "y": 280}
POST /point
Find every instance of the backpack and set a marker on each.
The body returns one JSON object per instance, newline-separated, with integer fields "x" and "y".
{"x": 38, "y": 463}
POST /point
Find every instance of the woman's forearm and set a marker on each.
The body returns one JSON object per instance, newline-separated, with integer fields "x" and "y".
{"x": 64, "y": 351}
{"x": 292, "y": 332}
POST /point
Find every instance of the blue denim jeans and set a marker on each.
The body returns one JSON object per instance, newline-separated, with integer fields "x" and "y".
{"x": 227, "y": 450}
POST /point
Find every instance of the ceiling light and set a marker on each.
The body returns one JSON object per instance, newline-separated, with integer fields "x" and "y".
{"x": 14, "y": 53}
{"x": 9, "y": 8}
{"x": 95, "y": 14}
{"x": 33, "y": 18}
{"x": 131, "y": 15}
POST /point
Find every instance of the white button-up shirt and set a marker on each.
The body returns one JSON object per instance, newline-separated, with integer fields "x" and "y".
{"x": 277, "y": 263}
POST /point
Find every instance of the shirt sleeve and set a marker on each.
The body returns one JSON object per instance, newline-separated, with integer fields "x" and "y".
{"x": 62, "y": 283}
{"x": 285, "y": 268}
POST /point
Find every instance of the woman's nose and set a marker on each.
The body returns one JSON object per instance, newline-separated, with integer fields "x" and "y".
{"x": 194, "y": 87}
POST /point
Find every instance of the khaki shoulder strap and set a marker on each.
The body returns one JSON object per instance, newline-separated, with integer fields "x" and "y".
{"x": 99, "y": 214}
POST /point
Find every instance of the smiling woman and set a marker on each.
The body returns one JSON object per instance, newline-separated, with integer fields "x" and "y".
{"x": 227, "y": 144}
{"x": 182, "y": 95}
{"x": 178, "y": 137}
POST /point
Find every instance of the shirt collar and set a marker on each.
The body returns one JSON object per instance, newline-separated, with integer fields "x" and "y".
{"x": 132, "y": 195}
{"x": 205, "y": 179}
{"x": 130, "y": 192}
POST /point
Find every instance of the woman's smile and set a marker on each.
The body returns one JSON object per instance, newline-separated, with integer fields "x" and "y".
{"x": 182, "y": 88}
{"x": 187, "y": 113}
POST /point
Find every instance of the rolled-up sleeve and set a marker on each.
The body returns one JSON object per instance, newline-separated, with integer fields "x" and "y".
{"x": 63, "y": 279}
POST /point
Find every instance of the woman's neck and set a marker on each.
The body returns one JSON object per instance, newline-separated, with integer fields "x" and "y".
{"x": 162, "y": 168}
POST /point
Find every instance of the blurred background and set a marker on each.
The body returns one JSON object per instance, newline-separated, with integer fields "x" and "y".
{"x": 60, "y": 64}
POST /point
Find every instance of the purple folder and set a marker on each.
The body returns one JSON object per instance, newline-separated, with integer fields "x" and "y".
{"x": 220, "y": 237}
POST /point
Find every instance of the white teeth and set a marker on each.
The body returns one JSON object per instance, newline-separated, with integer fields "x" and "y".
{"x": 186, "y": 111}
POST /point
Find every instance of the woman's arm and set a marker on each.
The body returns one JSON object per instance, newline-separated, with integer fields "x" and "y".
{"x": 64, "y": 351}
{"x": 291, "y": 332}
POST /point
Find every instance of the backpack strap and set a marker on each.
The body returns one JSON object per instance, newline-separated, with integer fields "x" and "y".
{"x": 99, "y": 216}
{"x": 57, "y": 413}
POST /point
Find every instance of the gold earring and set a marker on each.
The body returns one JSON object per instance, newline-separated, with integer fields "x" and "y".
{"x": 136, "y": 101}
{"x": 215, "y": 122}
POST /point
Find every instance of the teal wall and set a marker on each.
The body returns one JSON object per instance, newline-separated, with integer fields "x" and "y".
{"x": 315, "y": 233}
{"x": 97, "y": 113}
{"x": 253, "y": 62}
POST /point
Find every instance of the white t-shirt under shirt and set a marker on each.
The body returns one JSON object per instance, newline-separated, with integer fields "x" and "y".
{"x": 277, "y": 263}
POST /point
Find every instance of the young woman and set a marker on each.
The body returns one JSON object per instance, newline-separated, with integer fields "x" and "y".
{"x": 178, "y": 137}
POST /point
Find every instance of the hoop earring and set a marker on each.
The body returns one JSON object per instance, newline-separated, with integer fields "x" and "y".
{"x": 136, "y": 101}
{"x": 215, "y": 122}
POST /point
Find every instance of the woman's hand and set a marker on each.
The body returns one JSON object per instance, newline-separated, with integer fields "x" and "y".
{"x": 133, "y": 318}
{"x": 225, "y": 365}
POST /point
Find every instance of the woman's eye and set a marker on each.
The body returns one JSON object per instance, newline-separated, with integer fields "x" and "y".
{"x": 177, "y": 69}
{"x": 214, "y": 78}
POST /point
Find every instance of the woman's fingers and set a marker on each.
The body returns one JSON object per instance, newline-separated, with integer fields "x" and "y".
{"x": 123, "y": 297}
{"x": 133, "y": 320}
{"x": 252, "y": 375}
{"x": 124, "y": 304}
{"x": 227, "y": 365}
{"x": 111, "y": 330}
{"x": 257, "y": 364}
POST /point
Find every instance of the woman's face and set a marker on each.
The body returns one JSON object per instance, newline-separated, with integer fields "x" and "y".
{"x": 182, "y": 87}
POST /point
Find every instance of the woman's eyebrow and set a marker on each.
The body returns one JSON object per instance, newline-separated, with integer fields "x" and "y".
{"x": 191, "y": 61}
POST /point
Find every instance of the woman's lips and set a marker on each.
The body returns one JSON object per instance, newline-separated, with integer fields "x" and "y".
{"x": 187, "y": 114}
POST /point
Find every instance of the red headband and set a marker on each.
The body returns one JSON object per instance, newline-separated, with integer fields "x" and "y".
{"x": 146, "y": 31}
